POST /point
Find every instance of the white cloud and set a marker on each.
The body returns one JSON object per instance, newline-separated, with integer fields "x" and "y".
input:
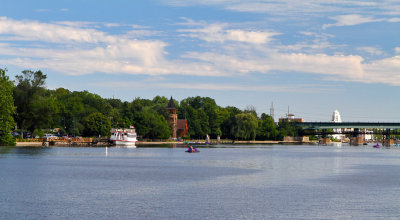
{"x": 36, "y": 31}
{"x": 220, "y": 34}
{"x": 356, "y": 19}
{"x": 340, "y": 66}
{"x": 77, "y": 50}
{"x": 383, "y": 71}
{"x": 350, "y": 20}
{"x": 394, "y": 20}
{"x": 73, "y": 49}
{"x": 294, "y": 7}
{"x": 350, "y": 68}
{"x": 371, "y": 50}
{"x": 309, "y": 88}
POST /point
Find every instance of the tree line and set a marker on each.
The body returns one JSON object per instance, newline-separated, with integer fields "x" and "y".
{"x": 34, "y": 109}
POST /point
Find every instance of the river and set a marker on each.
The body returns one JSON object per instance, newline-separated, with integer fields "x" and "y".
{"x": 222, "y": 182}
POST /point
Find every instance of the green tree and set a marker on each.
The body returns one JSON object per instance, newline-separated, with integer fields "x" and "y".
{"x": 266, "y": 128}
{"x": 159, "y": 105}
{"x": 229, "y": 124}
{"x": 203, "y": 116}
{"x": 287, "y": 128}
{"x": 6, "y": 109}
{"x": 152, "y": 125}
{"x": 97, "y": 124}
{"x": 46, "y": 109}
{"x": 246, "y": 127}
{"x": 28, "y": 92}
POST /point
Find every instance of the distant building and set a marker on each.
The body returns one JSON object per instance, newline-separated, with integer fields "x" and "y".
{"x": 368, "y": 135}
{"x": 182, "y": 128}
{"x": 291, "y": 118}
{"x": 179, "y": 127}
{"x": 336, "y": 118}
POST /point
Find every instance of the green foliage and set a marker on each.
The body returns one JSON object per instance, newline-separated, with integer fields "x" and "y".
{"x": 97, "y": 124}
{"x": 266, "y": 128}
{"x": 151, "y": 125}
{"x": 82, "y": 112}
{"x": 38, "y": 132}
{"x": 287, "y": 128}
{"x": 204, "y": 116}
{"x": 6, "y": 109}
{"x": 229, "y": 123}
{"x": 30, "y": 100}
{"x": 246, "y": 126}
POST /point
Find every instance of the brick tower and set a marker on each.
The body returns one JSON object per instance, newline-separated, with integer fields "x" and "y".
{"x": 172, "y": 117}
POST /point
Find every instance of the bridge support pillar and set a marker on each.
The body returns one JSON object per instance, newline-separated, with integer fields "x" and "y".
{"x": 324, "y": 140}
{"x": 355, "y": 141}
{"x": 388, "y": 142}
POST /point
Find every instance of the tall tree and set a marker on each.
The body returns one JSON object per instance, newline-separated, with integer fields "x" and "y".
{"x": 287, "y": 128}
{"x": 27, "y": 93}
{"x": 97, "y": 124}
{"x": 6, "y": 109}
{"x": 229, "y": 124}
{"x": 246, "y": 127}
{"x": 266, "y": 128}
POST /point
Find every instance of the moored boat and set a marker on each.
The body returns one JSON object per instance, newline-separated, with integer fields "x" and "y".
{"x": 123, "y": 137}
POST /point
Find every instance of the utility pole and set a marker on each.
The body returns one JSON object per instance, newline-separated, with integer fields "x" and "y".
{"x": 271, "y": 111}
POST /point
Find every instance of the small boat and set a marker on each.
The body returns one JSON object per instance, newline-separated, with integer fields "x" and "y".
{"x": 192, "y": 150}
{"x": 377, "y": 146}
{"x": 123, "y": 137}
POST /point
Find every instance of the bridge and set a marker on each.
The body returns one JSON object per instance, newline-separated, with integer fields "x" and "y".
{"x": 338, "y": 125}
{"x": 321, "y": 128}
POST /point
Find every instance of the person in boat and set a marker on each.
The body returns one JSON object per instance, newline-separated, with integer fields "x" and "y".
{"x": 191, "y": 149}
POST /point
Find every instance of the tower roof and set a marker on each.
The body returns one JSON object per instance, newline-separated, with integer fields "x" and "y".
{"x": 171, "y": 104}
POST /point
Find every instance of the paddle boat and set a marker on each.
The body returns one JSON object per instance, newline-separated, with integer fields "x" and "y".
{"x": 377, "y": 146}
{"x": 192, "y": 150}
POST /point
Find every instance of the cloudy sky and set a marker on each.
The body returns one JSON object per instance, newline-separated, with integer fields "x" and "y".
{"x": 309, "y": 56}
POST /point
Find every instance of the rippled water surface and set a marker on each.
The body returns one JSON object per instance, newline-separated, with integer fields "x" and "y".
{"x": 225, "y": 182}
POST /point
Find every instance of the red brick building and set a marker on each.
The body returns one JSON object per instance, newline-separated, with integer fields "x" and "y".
{"x": 179, "y": 127}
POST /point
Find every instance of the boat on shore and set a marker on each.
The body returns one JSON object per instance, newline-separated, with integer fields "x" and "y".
{"x": 123, "y": 137}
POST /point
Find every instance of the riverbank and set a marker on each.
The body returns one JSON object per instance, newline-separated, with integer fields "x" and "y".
{"x": 29, "y": 144}
{"x": 39, "y": 144}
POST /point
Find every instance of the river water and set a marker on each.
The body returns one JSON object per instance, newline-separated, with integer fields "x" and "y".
{"x": 224, "y": 182}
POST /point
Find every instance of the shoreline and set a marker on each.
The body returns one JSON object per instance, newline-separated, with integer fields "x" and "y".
{"x": 40, "y": 144}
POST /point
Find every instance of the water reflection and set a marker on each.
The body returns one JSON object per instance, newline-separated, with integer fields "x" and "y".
{"x": 32, "y": 151}
{"x": 161, "y": 145}
{"x": 23, "y": 151}
{"x": 5, "y": 149}
{"x": 162, "y": 182}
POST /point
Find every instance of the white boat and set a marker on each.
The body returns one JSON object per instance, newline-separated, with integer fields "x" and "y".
{"x": 123, "y": 137}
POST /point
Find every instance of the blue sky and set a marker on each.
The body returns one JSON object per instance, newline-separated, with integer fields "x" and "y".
{"x": 313, "y": 56}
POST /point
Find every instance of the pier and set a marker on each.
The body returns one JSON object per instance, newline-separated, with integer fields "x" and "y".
{"x": 76, "y": 141}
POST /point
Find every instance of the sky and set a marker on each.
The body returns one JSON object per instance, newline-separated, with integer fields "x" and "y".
{"x": 307, "y": 57}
